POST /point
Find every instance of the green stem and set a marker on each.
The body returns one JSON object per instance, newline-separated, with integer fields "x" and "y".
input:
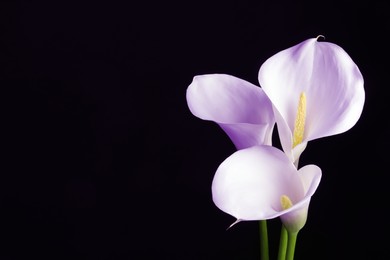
{"x": 292, "y": 240}
{"x": 263, "y": 240}
{"x": 283, "y": 244}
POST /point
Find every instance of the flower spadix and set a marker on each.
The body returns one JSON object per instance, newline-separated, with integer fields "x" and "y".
{"x": 260, "y": 183}
{"x": 240, "y": 108}
{"x": 316, "y": 90}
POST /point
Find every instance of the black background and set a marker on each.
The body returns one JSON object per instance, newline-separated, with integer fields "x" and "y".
{"x": 103, "y": 160}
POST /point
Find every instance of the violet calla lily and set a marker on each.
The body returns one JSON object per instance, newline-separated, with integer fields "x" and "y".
{"x": 260, "y": 183}
{"x": 316, "y": 90}
{"x": 240, "y": 108}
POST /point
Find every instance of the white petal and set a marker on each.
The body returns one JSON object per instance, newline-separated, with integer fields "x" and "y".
{"x": 331, "y": 81}
{"x": 295, "y": 217}
{"x": 249, "y": 184}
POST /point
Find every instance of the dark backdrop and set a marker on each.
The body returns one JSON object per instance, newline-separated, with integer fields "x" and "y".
{"x": 103, "y": 160}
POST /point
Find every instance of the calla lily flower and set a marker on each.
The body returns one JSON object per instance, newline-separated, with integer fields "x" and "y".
{"x": 316, "y": 90}
{"x": 260, "y": 183}
{"x": 240, "y": 108}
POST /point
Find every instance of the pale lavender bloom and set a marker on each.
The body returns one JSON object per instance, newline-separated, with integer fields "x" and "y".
{"x": 255, "y": 183}
{"x": 240, "y": 108}
{"x": 316, "y": 90}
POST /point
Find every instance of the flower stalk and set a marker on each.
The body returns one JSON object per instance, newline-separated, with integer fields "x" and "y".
{"x": 283, "y": 244}
{"x": 291, "y": 242}
{"x": 264, "y": 253}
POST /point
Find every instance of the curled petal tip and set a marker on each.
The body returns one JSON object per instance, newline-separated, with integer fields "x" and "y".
{"x": 235, "y": 222}
{"x": 320, "y": 36}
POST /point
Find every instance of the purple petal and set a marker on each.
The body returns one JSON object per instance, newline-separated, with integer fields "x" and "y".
{"x": 330, "y": 79}
{"x": 242, "y": 109}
